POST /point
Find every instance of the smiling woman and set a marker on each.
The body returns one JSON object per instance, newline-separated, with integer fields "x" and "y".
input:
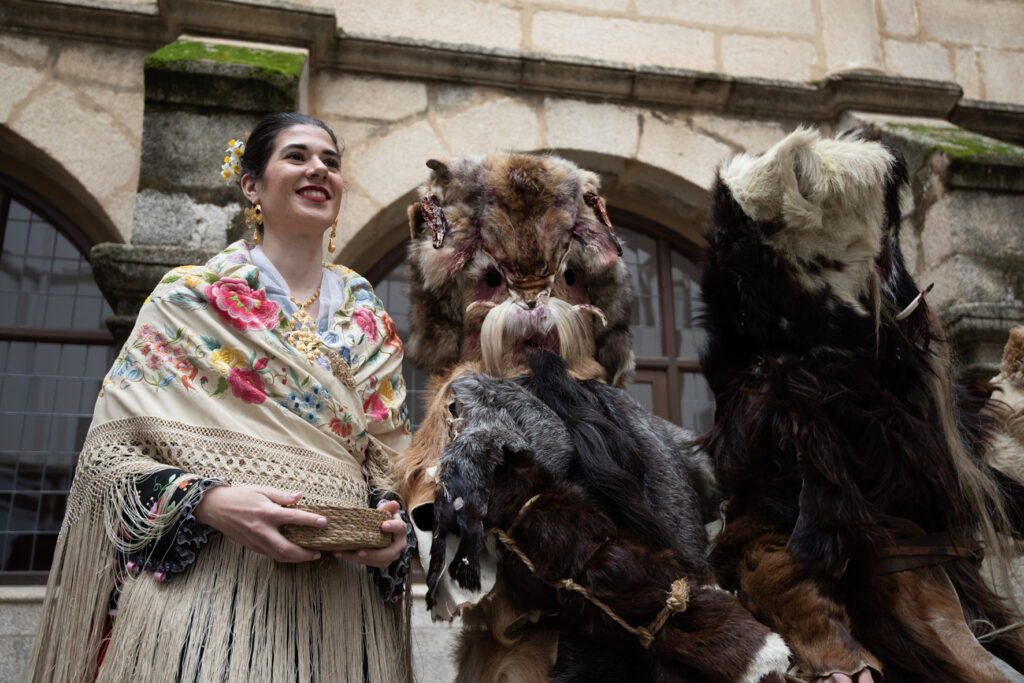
{"x": 266, "y": 369}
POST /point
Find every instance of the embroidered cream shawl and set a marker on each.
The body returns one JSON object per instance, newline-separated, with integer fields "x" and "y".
{"x": 208, "y": 383}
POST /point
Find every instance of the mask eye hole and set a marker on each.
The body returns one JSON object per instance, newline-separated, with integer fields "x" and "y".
{"x": 492, "y": 278}
{"x": 570, "y": 276}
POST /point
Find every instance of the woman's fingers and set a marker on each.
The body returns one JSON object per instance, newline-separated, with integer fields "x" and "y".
{"x": 282, "y": 516}
{"x": 381, "y": 557}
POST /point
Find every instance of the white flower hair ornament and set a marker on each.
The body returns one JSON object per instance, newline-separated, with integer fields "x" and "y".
{"x": 231, "y": 170}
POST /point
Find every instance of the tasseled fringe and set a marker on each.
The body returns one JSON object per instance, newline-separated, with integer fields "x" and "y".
{"x": 130, "y": 525}
{"x": 74, "y": 612}
{"x": 258, "y": 620}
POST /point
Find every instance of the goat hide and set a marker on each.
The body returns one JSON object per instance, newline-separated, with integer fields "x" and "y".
{"x": 856, "y": 487}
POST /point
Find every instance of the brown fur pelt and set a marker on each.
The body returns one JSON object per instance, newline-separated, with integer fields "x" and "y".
{"x": 520, "y": 243}
{"x": 837, "y": 423}
{"x": 508, "y": 469}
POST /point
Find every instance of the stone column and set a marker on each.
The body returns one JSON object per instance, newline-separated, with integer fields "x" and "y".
{"x": 199, "y": 95}
{"x": 964, "y": 231}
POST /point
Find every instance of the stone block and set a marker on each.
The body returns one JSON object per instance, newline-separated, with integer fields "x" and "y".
{"x": 182, "y": 152}
{"x": 783, "y": 16}
{"x": 966, "y": 71}
{"x": 503, "y": 125}
{"x": 674, "y": 146}
{"x": 597, "y": 127}
{"x": 28, "y": 50}
{"x": 18, "y": 82}
{"x": 747, "y": 135}
{"x": 178, "y": 220}
{"x": 393, "y": 165}
{"x": 357, "y": 211}
{"x": 461, "y": 21}
{"x": 1004, "y": 74}
{"x": 94, "y": 150}
{"x": 235, "y": 77}
{"x": 965, "y": 22}
{"x": 14, "y": 655}
{"x": 983, "y": 224}
{"x": 623, "y": 40}
{"x": 850, "y": 35}
{"x": 445, "y": 96}
{"x": 918, "y": 60}
{"x": 368, "y": 97}
{"x": 127, "y": 106}
{"x": 119, "y": 68}
{"x": 899, "y": 17}
{"x": 781, "y": 58}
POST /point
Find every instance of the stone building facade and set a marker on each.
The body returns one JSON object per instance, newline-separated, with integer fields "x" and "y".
{"x": 114, "y": 115}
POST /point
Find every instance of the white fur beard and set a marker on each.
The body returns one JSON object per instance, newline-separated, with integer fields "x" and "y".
{"x": 507, "y": 326}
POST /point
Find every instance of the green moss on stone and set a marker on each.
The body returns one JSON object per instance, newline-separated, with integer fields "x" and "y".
{"x": 263, "y": 62}
{"x": 956, "y": 143}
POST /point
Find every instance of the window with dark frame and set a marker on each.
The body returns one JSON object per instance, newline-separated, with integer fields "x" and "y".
{"x": 54, "y": 352}
{"x": 665, "y": 280}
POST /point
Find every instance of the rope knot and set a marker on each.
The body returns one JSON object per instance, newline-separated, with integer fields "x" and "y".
{"x": 679, "y": 596}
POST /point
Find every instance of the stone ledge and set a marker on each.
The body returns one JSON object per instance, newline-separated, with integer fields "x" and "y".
{"x": 21, "y": 594}
{"x": 978, "y": 332}
{"x": 127, "y": 273}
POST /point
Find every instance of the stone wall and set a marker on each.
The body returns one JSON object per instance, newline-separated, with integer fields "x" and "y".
{"x": 71, "y": 115}
{"x": 977, "y": 43}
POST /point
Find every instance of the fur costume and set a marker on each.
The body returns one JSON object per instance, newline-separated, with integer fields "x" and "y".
{"x": 854, "y": 507}
{"x": 572, "y": 472}
{"x": 1007, "y": 453}
{"x": 512, "y": 254}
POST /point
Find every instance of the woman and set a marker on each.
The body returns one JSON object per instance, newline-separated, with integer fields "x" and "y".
{"x": 248, "y": 384}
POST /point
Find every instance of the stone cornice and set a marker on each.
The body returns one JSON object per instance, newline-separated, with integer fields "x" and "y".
{"x": 274, "y": 21}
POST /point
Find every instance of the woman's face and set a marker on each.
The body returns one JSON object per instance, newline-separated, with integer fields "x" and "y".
{"x": 301, "y": 187}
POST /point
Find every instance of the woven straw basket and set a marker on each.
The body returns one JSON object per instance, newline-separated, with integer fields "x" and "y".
{"x": 347, "y": 528}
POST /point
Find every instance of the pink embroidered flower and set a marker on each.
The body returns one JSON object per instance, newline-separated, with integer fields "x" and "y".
{"x": 154, "y": 361}
{"x": 366, "y": 323}
{"x": 246, "y": 385}
{"x": 375, "y": 408}
{"x": 244, "y": 308}
{"x": 391, "y": 339}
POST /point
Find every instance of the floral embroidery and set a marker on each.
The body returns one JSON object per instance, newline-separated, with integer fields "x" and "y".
{"x": 375, "y": 408}
{"x": 247, "y": 385}
{"x": 242, "y": 307}
{"x": 211, "y": 363}
{"x": 366, "y": 323}
{"x": 391, "y": 340}
{"x": 341, "y": 426}
{"x": 225, "y": 358}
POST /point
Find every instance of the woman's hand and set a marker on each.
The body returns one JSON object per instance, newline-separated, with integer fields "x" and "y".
{"x": 251, "y": 516}
{"x": 381, "y": 557}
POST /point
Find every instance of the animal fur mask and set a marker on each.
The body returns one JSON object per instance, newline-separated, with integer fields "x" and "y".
{"x": 513, "y": 251}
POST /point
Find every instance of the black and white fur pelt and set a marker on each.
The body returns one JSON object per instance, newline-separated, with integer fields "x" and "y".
{"x": 835, "y": 410}
{"x": 617, "y": 500}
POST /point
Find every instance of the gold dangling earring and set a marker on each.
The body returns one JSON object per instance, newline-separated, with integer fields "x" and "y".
{"x": 334, "y": 231}
{"x": 254, "y": 219}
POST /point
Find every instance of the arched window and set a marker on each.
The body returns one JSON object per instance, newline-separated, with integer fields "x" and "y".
{"x": 665, "y": 289}
{"x": 54, "y": 351}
